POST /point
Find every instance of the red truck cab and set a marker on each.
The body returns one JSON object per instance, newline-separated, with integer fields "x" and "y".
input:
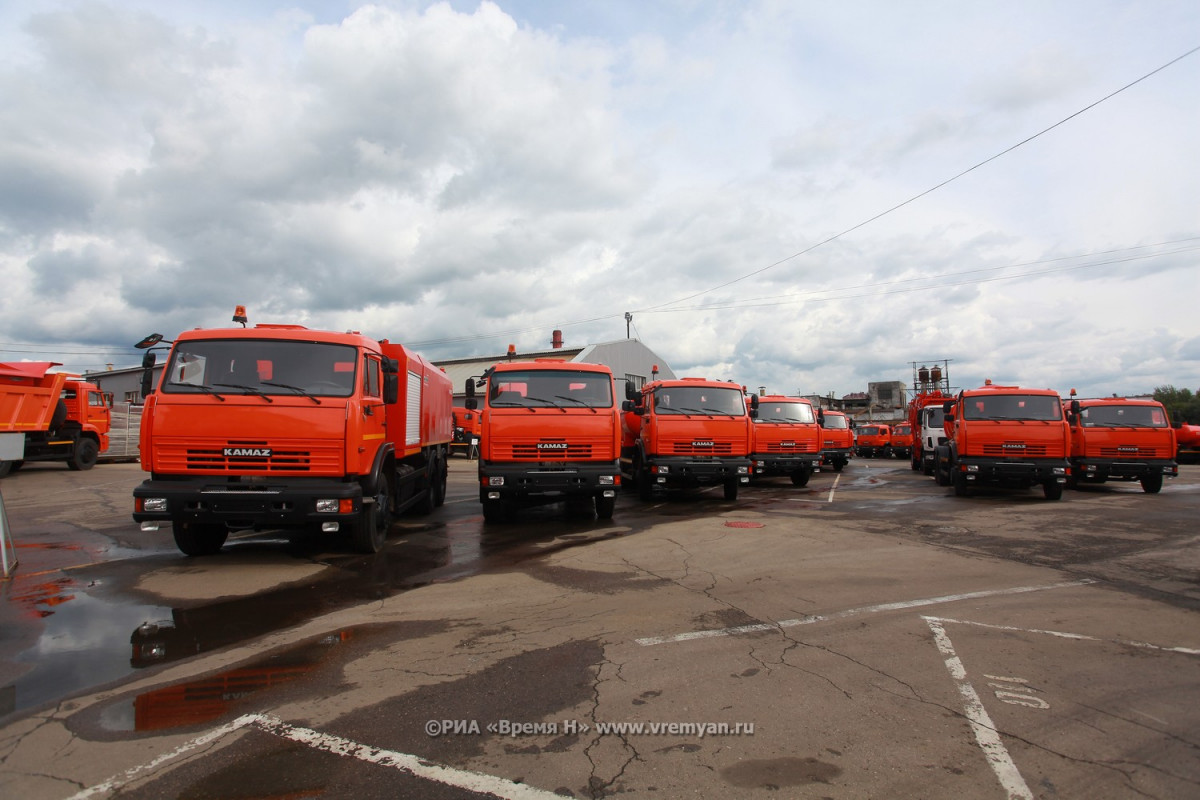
{"x": 787, "y": 438}
{"x": 1005, "y": 436}
{"x": 550, "y": 432}
{"x": 837, "y": 439}
{"x": 900, "y": 442}
{"x": 873, "y": 440}
{"x": 686, "y": 432}
{"x": 1113, "y": 438}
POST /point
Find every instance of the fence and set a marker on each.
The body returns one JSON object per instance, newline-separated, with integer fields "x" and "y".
{"x": 123, "y": 435}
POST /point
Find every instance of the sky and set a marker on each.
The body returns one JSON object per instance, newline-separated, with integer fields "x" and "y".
{"x": 804, "y": 196}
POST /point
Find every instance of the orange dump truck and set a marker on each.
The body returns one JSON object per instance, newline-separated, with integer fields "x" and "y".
{"x": 282, "y": 427}
{"x": 901, "y": 442}
{"x": 1116, "y": 439}
{"x": 1005, "y": 436}
{"x": 787, "y": 438}
{"x": 50, "y": 416}
{"x": 550, "y": 433}
{"x": 686, "y": 432}
{"x": 467, "y": 432}
{"x": 837, "y": 439}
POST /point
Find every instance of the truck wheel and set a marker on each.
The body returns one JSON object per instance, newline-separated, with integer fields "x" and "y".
{"x": 371, "y": 528}
{"x": 1053, "y": 490}
{"x": 199, "y": 539}
{"x": 959, "y": 479}
{"x": 731, "y": 489}
{"x": 1152, "y": 484}
{"x": 494, "y": 511}
{"x": 837, "y": 465}
{"x": 85, "y": 456}
{"x": 605, "y": 507}
{"x": 5, "y": 468}
{"x": 800, "y": 477}
{"x": 644, "y": 486}
{"x": 439, "y": 497}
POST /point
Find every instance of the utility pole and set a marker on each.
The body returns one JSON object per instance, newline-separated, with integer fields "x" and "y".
{"x": 628, "y": 320}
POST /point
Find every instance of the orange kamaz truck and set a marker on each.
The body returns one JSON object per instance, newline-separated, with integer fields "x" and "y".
{"x": 686, "y": 432}
{"x": 837, "y": 439}
{"x": 787, "y": 438}
{"x": 1004, "y": 436}
{"x": 901, "y": 441}
{"x": 550, "y": 432}
{"x": 1115, "y": 439}
{"x": 283, "y": 427}
{"x": 50, "y": 416}
{"x": 874, "y": 440}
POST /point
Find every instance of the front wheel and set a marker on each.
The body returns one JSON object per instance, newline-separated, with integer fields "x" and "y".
{"x": 199, "y": 539}
{"x": 605, "y": 507}
{"x": 800, "y": 477}
{"x": 959, "y": 479}
{"x": 644, "y": 486}
{"x": 371, "y": 527}
{"x": 1053, "y": 490}
{"x": 494, "y": 511}
{"x": 731, "y": 489}
{"x": 86, "y": 454}
{"x": 1152, "y": 484}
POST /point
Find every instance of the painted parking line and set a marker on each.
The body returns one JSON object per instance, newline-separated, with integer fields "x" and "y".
{"x": 337, "y": 745}
{"x": 851, "y": 612}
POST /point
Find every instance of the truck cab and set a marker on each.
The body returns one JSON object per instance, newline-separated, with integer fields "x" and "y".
{"x": 1114, "y": 438}
{"x": 873, "y": 440}
{"x": 686, "y": 432}
{"x": 787, "y": 438}
{"x": 900, "y": 441}
{"x": 1005, "y": 436}
{"x": 837, "y": 439}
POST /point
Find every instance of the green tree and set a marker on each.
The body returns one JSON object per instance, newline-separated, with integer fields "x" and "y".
{"x": 1182, "y": 404}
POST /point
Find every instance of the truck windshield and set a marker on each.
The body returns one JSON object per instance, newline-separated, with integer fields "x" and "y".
{"x": 563, "y": 388}
{"x": 935, "y": 417}
{"x": 1114, "y": 416}
{"x": 1012, "y": 407}
{"x": 785, "y": 412}
{"x": 835, "y": 422}
{"x": 261, "y": 367}
{"x": 706, "y": 400}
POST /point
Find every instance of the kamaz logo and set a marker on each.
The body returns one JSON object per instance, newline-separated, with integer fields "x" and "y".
{"x": 1013, "y": 446}
{"x": 787, "y": 444}
{"x": 247, "y": 452}
{"x": 702, "y": 444}
{"x": 1127, "y": 449}
{"x": 552, "y": 445}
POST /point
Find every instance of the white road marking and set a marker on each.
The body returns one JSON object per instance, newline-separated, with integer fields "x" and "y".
{"x": 413, "y": 765}
{"x": 981, "y": 724}
{"x": 836, "y": 478}
{"x": 1190, "y": 651}
{"x": 791, "y": 623}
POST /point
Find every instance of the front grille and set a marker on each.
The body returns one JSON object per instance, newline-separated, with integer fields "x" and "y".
{"x": 1015, "y": 450}
{"x": 531, "y": 452}
{"x": 1134, "y": 452}
{"x": 689, "y": 449}
{"x": 316, "y": 458}
{"x": 792, "y": 447}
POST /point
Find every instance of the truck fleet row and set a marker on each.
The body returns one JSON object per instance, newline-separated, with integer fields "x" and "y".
{"x": 283, "y": 427}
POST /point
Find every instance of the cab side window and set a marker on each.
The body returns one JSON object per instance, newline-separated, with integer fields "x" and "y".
{"x": 372, "y": 384}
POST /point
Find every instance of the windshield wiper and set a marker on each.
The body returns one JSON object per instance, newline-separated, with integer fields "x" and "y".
{"x": 576, "y": 400}
{"x": 207, "y": 389}
{"x": 547, "y": 402}
{"x": 249, "y": 389}
{"x": 295, "y": 389}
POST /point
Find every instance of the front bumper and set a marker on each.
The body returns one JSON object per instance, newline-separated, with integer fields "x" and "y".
{"x": 245, "y": 505}
{"x": 1014, "y": 473}
{"x": 1111, "y": 469}
{"x": 784, "y": 463}
{"x": 685, "y": 471}
{"x": 547, "y": 479}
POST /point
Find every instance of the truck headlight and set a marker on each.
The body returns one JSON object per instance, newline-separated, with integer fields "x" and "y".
{"x": 606, "y": 480}
{"x": 972, "y": 468}
{"x": 1062, "y": 470}
{"x": 495, "y": 480}
{"x": 743, "y": 470}
{"x": 327, "y": 505}
{"x": 154, "y": 503}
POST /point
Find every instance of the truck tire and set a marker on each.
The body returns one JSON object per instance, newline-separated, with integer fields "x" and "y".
{"x": 433, "y": 475}
{"x": 1053, "y": 490}
{"x": 85, "y": 455}
{"x": 443, "y": 477}
{"x": 959, "y": 479}
{"x": 644, "y": 486}
{"x": 605, "y": 506}
{"x": 1152, "y": 484}
{"x": 838, "y": 464}
{"x": 199, "y": 539}
{"x": 371, "y": 527}
{"x": 6, "y": 467}
{"x": 731, "y": 489}
{"x": 800, "y": 477}
{"x": 494, "y": 511}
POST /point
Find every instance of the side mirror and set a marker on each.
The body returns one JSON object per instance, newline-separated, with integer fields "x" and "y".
{"x": 631, "y": 391}
{"x": 148, "y": 361}
{"x": 948, "y": 406}
{"x": 1075, "y": 407}
{"x": 471, "y": 403}
{"x": 821, "y": 417}
{"x": 469, "y": 389}
{"x": 391, "y": 388}
{"x": 754, "y": 402}
{"x": 391, "y": 366}
{"x": 149, "y": 341}
{"x": 628, "y": 406}
{"x": 949, "y": 416}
